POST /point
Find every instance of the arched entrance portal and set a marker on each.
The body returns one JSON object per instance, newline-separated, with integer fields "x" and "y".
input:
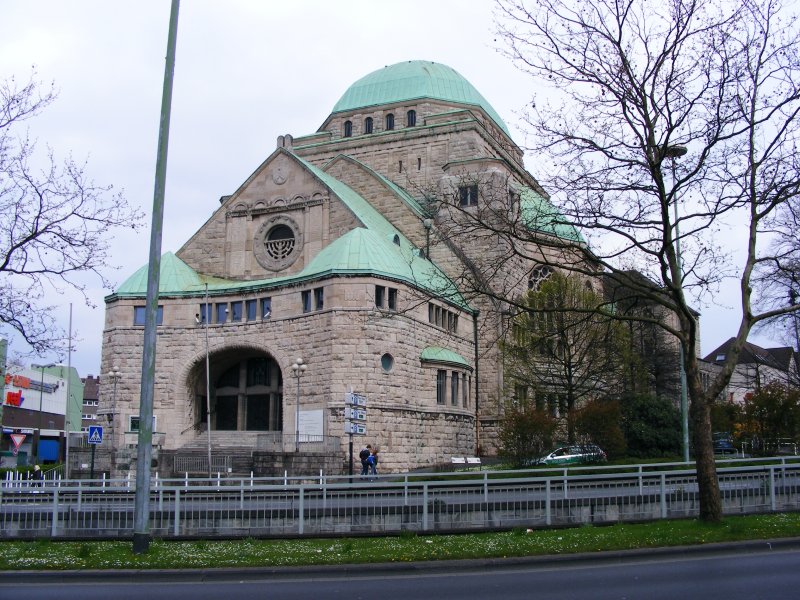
{"x": 246, "y": 392}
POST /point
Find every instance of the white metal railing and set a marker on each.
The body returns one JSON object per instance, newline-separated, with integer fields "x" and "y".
{"x": 194, "y": 463}
{"x": 323, "y": 505}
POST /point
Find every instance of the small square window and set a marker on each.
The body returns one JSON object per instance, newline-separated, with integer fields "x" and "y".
{"x": 468, "y": 195}
{"x": 319, "y": 298}
{"x": 266, "y": 308}
{"x": 222, "y": 312}
{"x": 139, "y": 313}
{"x": 205, "y": 309}
{"x": 305, "y": 298}
{"x": 392, "y": 299}
{"x": 133, "y": 423}
{"x": 380, "y": 292}
{"x": 236, "y": 311}
{"x": 251, "y": 307}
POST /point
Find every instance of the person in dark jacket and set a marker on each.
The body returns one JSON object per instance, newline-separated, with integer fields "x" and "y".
{"x": 364, "y": 455}
{"x": 37, "y": 475}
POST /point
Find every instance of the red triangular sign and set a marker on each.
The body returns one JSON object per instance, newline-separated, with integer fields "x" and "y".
{"x": 17, "y": 438}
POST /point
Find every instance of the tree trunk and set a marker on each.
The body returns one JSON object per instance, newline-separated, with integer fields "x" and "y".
{"x": 707, "y": 482}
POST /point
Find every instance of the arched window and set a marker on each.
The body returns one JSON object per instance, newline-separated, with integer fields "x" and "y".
{"x": 368, "y": 125}
{"x": 538, "y": 275}
{"x": 389, "y": 122}
{"x": 411, "y": 118}
{"x": 348, "y": 129}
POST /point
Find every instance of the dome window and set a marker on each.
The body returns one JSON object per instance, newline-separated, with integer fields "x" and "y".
{"x": 368, "y": 125}
{"x": 389, "y": 122}
{"x": 348, "y": 129}
{"x": 411, "y": 118}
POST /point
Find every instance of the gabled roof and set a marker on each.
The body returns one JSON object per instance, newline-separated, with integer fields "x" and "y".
{"x": 414, "y": 80}
{"x": 377, "y": 249}
{"x": 403, "y": 195}
{"x": 777, "y": 358}
{"x": 539, "y": 214}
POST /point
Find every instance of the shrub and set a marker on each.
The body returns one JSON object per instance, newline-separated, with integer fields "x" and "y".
{"x": 526, "y": 433}
{"x": 652, "y": 426}
{"x": 599, "y": 422}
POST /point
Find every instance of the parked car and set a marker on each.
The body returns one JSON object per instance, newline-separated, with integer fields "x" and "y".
{"x": 723, "y": 443}
{"x": 724, "y": 447}
{"x": 574, "y": 455}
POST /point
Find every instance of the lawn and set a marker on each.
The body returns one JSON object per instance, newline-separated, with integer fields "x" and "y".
{"x": 406, "y": 547}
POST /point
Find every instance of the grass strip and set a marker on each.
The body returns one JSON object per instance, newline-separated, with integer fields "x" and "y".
{"x": 406, "y": 547}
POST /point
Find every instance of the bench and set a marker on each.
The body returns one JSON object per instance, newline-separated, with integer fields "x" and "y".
{"x": 458, "y": 460}
{"x": 474, "y": 460}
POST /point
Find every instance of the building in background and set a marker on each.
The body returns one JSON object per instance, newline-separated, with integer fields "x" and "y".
{"x": 755, "y": 368}
{"x": 91, "y": 395}
{"x": 39, "y": 404}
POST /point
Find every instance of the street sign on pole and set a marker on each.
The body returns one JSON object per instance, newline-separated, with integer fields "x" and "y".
{"x": 355, "y": 428}
{"x": 95, "y": 434}
{"x": 17, "y": 439}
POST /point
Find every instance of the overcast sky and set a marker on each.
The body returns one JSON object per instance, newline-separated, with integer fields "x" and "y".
{"x": 246, "y": 72}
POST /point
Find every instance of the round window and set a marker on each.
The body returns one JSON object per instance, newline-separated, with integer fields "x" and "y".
{"x": 387, "y": 362}
{"x": 277, "y": 243}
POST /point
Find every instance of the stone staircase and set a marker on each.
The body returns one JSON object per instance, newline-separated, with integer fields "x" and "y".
{"x": 223, "y": 441}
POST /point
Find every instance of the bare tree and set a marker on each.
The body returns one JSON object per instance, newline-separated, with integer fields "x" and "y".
{"x": 56, "y": 222}
{"x": 669, "y": 124}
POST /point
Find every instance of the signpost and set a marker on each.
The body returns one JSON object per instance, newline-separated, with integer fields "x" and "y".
{"x": 17, "y": 438}
{"x": 95, "y": 438}
{"x": 355, "y": 417}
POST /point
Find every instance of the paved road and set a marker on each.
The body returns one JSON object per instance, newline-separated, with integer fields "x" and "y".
{"x": 731, "y": 572}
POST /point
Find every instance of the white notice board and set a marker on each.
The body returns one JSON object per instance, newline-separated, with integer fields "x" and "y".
{"x": 311, "y": 425}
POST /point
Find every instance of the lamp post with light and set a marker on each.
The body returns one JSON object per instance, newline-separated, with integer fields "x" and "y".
{"x": 673, "y": 152}
{"x": 298, "y": 369}
{"x": 41, "y": 399}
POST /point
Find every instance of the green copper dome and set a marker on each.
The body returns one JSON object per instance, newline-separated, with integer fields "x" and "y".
{"x": 413, "y": 80}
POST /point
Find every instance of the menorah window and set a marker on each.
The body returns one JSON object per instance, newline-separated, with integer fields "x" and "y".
{"x": 280, "y": 242}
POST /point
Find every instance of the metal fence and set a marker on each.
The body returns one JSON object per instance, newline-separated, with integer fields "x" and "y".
{"x": 321, "y": 505}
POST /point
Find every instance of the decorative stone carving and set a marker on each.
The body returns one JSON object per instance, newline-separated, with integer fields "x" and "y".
{"x": 279, "y": 175}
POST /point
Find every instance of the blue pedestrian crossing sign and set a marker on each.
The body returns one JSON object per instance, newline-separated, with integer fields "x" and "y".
{"x": 95, "y": 434}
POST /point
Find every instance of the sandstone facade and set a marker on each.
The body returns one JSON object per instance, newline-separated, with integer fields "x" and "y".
{"x": 330, "y": 252}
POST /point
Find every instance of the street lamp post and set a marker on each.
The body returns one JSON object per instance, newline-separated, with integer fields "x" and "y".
{"x": 114, "y": 376}
{"x": 794, "y": 295}
{"x": 41, "y": 399}
{"x": 298, "y": 369}
{"x": 673, "y": 152}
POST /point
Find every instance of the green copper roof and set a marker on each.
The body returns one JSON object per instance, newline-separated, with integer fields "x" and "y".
{"x": 375, "y": 249}
{"x": 413, "y": 80}
{"x": 175, "y": 275}
{"x": 540, "y": 215}
{"x": 443, "y": 355}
